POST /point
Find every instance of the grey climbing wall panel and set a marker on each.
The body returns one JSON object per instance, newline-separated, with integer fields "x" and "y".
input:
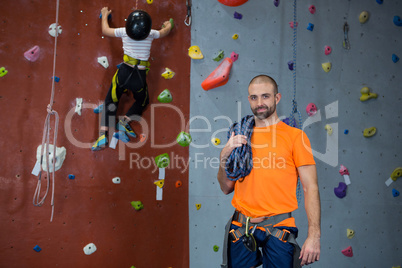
{"x": 265, "y": 46}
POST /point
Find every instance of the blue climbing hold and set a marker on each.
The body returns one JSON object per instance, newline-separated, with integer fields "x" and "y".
{"x": 71, "y": 177}
{"x": 37, "y": 248}
{"x": 395, "y": 192}
{"x": 395, "y": 58}
{"x": 290, "y": 65}
{"x": 397, "y": 21}
{"x": 310, "y": 27}
{"x": 380, "y": 2}
{"x": 108, "y": 17}
{"x": 346, "y": 132}
{"x": 56, "y": 79}
{"x": 98, "y": 109}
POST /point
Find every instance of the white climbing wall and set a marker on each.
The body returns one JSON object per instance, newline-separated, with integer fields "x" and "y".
{"x": 265, "y": 46}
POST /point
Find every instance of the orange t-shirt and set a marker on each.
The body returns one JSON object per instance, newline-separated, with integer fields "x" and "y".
{"x": 270, "y": 188}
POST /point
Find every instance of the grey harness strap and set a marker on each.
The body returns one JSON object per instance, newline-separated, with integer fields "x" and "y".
{"x": 267, "y": 224}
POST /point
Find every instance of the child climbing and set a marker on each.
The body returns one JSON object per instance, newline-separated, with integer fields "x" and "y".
{"x": 137, "y": 39}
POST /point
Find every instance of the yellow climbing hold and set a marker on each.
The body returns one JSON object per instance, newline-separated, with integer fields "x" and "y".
{"x": 369, "y": 132}
{"x": 168, "y": 74}
{"x": 198, "y": 206}
{"x": 150, "y": 1}
{"x": 328, "y": 128}
{"x": 366, "y": 94}
{"x": 396, "y": 173}
{"x": 364, "y": 16}
{"x": 216, "y": 141}
{"x": 326, "y": 66}
{"x": 160, "y": 183}
{"x": 350, "y": 233}
{"x": 195, "y": 53}
{"x": 235, "y": 36}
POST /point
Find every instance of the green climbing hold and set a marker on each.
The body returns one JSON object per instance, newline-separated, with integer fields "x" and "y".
{"x": 137, "y": 205}
{"x": 165, "y": 96}
{"x": 162, "y": 160}
{"x": 219, "y": 55}
{"x": 172, "y": 22}
{"x": 184, "y": 139}
{"x": 216, "y": 248}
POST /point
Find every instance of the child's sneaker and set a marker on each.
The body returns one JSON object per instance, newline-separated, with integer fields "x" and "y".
{"x": 100, "y": 143}
{"x": 121, "y": 135}
{"x": 126, "y": 128}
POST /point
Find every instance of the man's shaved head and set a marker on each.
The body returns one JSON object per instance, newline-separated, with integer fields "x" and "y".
{"x": 262, "y": 79}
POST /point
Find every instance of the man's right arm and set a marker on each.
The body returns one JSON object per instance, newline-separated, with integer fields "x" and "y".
{"x": 227, "y": 185}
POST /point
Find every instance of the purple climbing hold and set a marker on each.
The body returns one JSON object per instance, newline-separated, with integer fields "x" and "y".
{"x": 238, "y": 16}
{"x": 340, "y": 191}
{"x": 290, "y": 65}
{"x": 276, "y": 3}
{"x": 395, "y": 192}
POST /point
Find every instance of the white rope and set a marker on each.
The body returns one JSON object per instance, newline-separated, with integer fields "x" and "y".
{"x": 37, "y": 201}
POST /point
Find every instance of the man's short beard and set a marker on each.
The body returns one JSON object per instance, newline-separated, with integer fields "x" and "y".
{"x": 266, "y": 114}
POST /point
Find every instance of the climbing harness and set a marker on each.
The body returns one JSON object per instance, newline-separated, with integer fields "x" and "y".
{"x": 248, "y": 240}
{"x": 37, "y": 201}
{"x": 240, "y": 162}
{"x": 187, "y": 21}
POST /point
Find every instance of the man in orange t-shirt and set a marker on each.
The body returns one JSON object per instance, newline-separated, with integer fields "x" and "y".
{"x": 280, "y": 154}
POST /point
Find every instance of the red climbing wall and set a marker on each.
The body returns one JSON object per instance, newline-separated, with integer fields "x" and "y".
{"x": 90, "y": 208}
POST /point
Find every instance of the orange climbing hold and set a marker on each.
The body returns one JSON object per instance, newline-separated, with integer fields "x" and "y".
{"x": 220, "y": 76}
{"x": 178, "y": 184}
{"x": 232, "y": 3}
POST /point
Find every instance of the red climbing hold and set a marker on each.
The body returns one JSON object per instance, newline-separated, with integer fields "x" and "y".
{"x": 348, "y": 252}
{"x": 220, "y": 76}
{"x": 232, "y": 3}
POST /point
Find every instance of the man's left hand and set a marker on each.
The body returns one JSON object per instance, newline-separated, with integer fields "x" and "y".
{"x": 310, "y": 251}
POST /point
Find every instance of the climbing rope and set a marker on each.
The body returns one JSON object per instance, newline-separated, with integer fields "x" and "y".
{"x": 292, "y": 119}
{"x": 37, "y": 201}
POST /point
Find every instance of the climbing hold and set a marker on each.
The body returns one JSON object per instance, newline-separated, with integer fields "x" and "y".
{"x": 276, "y": 3}
{"x": 310, "y": 27}
{"x": 395, "y": 58}
{"x": 178, "y": 184}
{"x": 395, "y": 193}
{"x": 350, "y": 233}
{"x": 121, "y": 135}
{"x": 116, "y": 180}
{"x": 103, "y": 61}
{"x": 89, "y": 249}
{"x": 98, "y": 109}
{"x": 160, "y": 183}
{"x": 32, "y": 54}
{"x": 291, "y": 24}
{"x": 366, "y": 94}
{"x": 218, "y": 56}
{"x": 343, "y": 170}
{"x": 198, "y": 206}
{"x": 216, "y": 248}
{"x": 150, "y": 1}
{"x": 234, "y": 56}
{"x": 326, "y": 66}
{"x": 37, "y": 248}
{"x": 346, "y": 132}
{"x": 348, "y": 252}
{"x": 52, "y": 30}
{"x": 216, "y": 141}
{"x": 220, "y": 76}
{"x": 312, "y": 9}
{"x": 328, "y": 128}
{"x": 369, "y": 132}
{"x": 195, "y": 53}
{"x": 108, "y": 17}
{"x": 3, "y": 71}
{"x": 184, "y": 139}
{"x": 165, "y": 96}
{"x": 364, "y": 16}
{"x": 162, "y": 160}
{"x": 396, "y": 173}
{"x": 327, "y": 50}
{"x": 291, "y": 65}
{"x": 311, "y": 109}
{"x": 380, "y": 2}
{"x": 237, "y": 16}
{"x": 397, "y": 21}
{"x": 137, "y": 205}
{"x": 78, "y": 105}
{"x": 235, "y": 36}
{"x": 56, "y": 79}
{"x": 59, "y": 158}
{"x": 143, "y": 137}
{"x": 340, "y": 191}
{"x": 71, "y": 177}
{"x": 232, "y": 3}
{"x": 168, "y": 74}
{"x": 396, "y": 266}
